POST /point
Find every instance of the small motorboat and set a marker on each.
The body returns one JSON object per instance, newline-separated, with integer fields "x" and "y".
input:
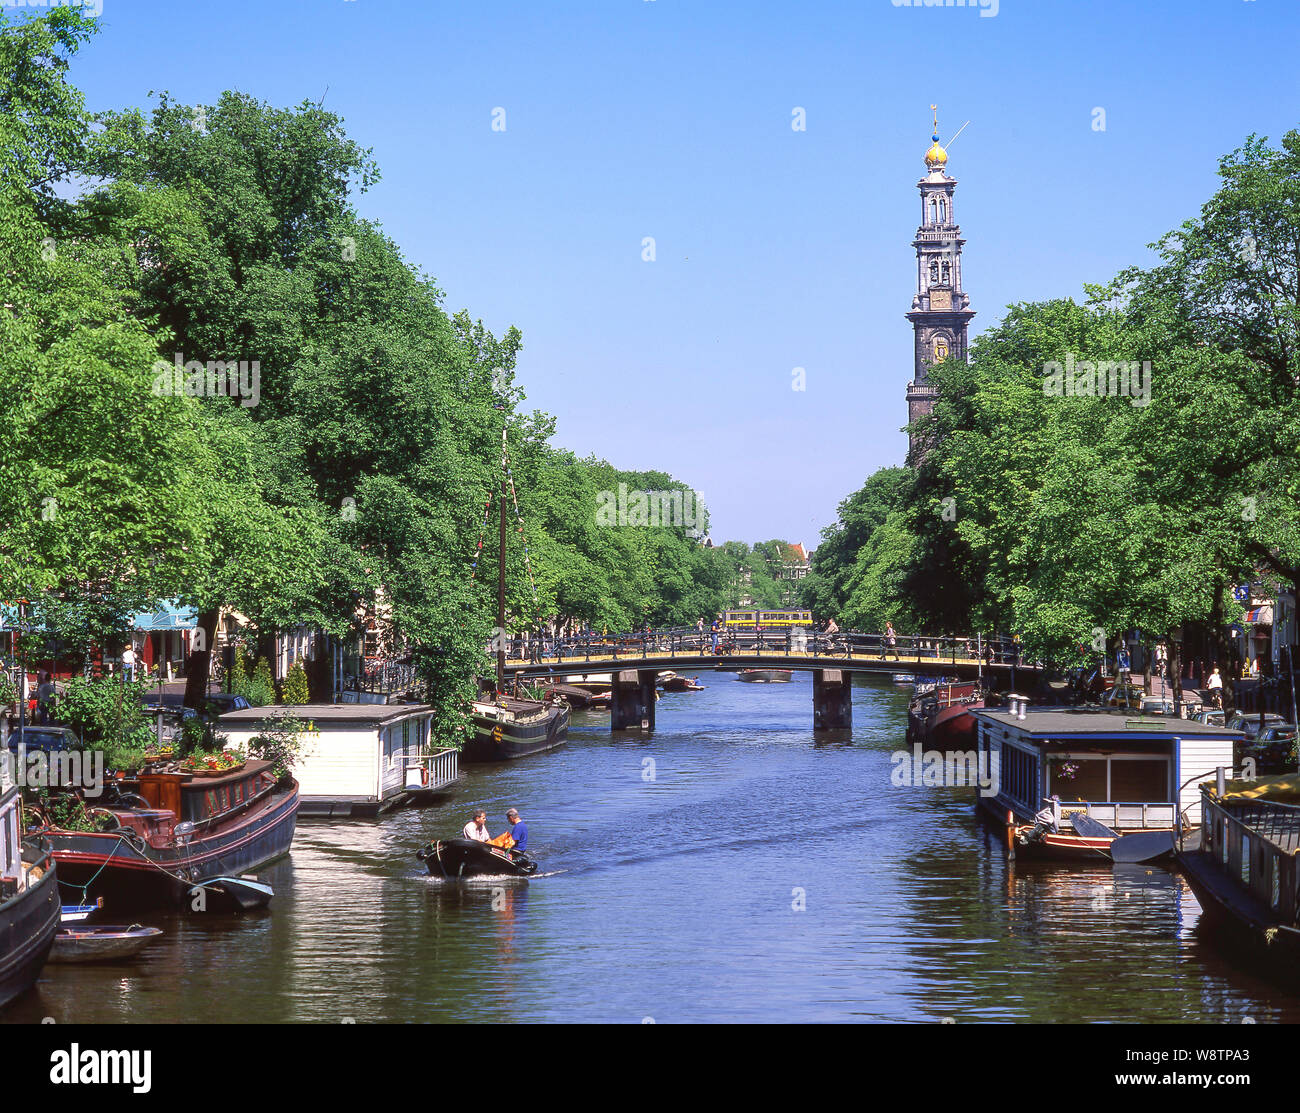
{"x": 234, "y": 894}
{"x": 671, "y": 682}
{"x": 467, "y": 858}
{"x": 79, "y": 913}
{"x": 765, "y": 676}
{"x": 100, "y": 942}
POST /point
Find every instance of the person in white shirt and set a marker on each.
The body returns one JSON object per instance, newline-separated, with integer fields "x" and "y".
{"x": 476, "y": 828}
{"x": 128, "y": 662}
{"x": 1215, "y": 686}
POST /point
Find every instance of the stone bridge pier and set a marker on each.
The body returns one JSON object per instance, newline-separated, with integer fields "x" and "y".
{"x": 832, "y": 699}
{"x": 632, "y": 706}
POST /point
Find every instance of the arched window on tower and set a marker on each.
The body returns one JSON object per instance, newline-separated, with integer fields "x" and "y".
{"x": 943, "y": 211}
{"x": 947, "y": 273}
{"x": 934, "y": 272}
{"x": 934, "y": 211}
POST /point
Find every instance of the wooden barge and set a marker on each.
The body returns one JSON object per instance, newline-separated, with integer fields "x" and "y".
{"x": 508, "y": 728}
{"x": 187, "y": 830}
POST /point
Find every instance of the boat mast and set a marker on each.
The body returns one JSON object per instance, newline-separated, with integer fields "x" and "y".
{"x": 501, "y": 578}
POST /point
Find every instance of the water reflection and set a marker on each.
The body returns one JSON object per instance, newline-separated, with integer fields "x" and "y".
{"x": 759, "y": 873}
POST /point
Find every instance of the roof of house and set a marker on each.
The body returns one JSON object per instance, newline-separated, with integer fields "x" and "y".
{"x": 360, "y": 714}
{"x": 1057, "y": 721}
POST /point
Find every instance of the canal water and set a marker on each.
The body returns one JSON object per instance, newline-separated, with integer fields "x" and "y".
{"x": 732, "y": 867}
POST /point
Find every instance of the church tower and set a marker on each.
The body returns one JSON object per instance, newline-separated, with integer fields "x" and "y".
{"x": 940, "y": 310}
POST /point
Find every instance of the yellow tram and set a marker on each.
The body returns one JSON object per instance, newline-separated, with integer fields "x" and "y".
{"x": 767, "y": 620}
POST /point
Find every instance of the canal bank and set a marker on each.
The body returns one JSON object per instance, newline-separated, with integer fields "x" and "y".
{"x": 732, "y": 867}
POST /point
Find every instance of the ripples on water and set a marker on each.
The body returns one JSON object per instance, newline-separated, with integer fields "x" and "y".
{"x": 668, "y": 891}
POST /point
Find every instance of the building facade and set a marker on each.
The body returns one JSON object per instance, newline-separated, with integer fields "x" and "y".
{"x": 940, "y": 310}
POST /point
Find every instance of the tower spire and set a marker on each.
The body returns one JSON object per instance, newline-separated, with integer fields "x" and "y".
{"x": 940, "y": 308}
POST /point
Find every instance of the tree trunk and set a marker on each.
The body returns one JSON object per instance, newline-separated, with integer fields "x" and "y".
{"x": 320, "y": 680}
{"x": 1223, "y": 652}
{"x": 1174, "y": 667}
{"x": 198, "y": 665}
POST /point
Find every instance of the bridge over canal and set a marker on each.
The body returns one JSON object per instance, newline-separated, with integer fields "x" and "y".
{"x": 634, "y": 662}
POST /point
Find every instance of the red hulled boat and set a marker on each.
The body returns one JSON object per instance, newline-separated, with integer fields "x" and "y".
{"x": 175, "y": 831}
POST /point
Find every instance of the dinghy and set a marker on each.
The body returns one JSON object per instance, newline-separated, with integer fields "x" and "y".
{"x": 101, "y": 942}
{"x": 467, "y": 858}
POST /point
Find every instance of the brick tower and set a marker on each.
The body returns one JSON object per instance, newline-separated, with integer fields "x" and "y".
{"x": 941, "y": 309}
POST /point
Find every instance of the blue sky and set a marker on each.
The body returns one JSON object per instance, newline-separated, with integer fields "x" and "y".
{"x": 776, "y": 249}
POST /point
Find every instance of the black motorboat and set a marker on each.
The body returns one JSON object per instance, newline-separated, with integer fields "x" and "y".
{"x": 467, "y": 858}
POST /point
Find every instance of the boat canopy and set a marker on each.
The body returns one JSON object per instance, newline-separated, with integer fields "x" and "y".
{"x": 1281, "y": 789}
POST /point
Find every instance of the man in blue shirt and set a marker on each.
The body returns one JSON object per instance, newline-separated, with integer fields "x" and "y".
{"x": 518, "y": 830}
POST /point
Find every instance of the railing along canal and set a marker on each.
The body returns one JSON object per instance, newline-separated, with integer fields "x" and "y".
{"x": 690, "y": 642}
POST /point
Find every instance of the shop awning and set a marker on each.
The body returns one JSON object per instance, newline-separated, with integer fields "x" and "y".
{"x": 168, "y": 617}
{"x": 1260, "y": 616}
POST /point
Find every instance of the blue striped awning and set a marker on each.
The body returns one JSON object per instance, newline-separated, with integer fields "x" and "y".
{"x": 169, "y": 617}
{"x": 1261, "y": 616}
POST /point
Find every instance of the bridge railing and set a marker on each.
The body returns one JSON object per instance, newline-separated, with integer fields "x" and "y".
{"x": 690, "y": 642}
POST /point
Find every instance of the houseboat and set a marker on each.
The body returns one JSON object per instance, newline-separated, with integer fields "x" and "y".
{"x": 170, "y": 832}
{"x": 357, "y": 759}
{"x": 1069, "y": 782}
{"x": 29, "y": 899}
{"x": 1243, "y": 869}
{"x": 507, "y": 728}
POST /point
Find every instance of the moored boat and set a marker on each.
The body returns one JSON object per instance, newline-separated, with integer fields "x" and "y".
{"x": 29, "y": 900}
{"x": 671, "y": 682}
{"x": 1245, "y": 869}
{"x": 101, "y": 942}
{"x": 189, "y": 832}
{"x": 765, "y": 676}
{"x": 1067, "y": 783}
{"x": 510, "y": 728}
{"x": 456, "y": 858}
{"x": 943, "y": 715}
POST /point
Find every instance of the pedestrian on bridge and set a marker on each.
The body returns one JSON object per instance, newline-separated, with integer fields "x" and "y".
{"x": 890, "y": 643}
{"x": 715, "y": 629}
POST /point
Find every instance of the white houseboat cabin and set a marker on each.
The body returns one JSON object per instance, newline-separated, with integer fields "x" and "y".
{"x": 356, "y": 759}
{"x": 1069, "y": 781}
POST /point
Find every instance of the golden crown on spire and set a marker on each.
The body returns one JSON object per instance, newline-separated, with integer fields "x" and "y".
{"x": 936, "y": 156}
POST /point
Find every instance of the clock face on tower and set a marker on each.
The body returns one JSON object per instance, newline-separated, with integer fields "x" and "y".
{"x": 940, "y": 299}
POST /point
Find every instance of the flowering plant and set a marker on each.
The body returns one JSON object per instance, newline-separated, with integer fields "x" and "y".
{"x": 1067, "y": 770}
{"x": 212, "y": 763}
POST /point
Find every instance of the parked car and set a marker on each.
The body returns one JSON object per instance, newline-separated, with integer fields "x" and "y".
{"x": 222, "y": 702}
{"x": 1274, "y": 750}
{"x": 1127, "y": 696}
{"x": 173, "y": 720}
{"x": 1158, "y": 705}
{"x": 49, "y": 739}
{"x": 1211, "y": 715}
{"x": 1248, "y": 722}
